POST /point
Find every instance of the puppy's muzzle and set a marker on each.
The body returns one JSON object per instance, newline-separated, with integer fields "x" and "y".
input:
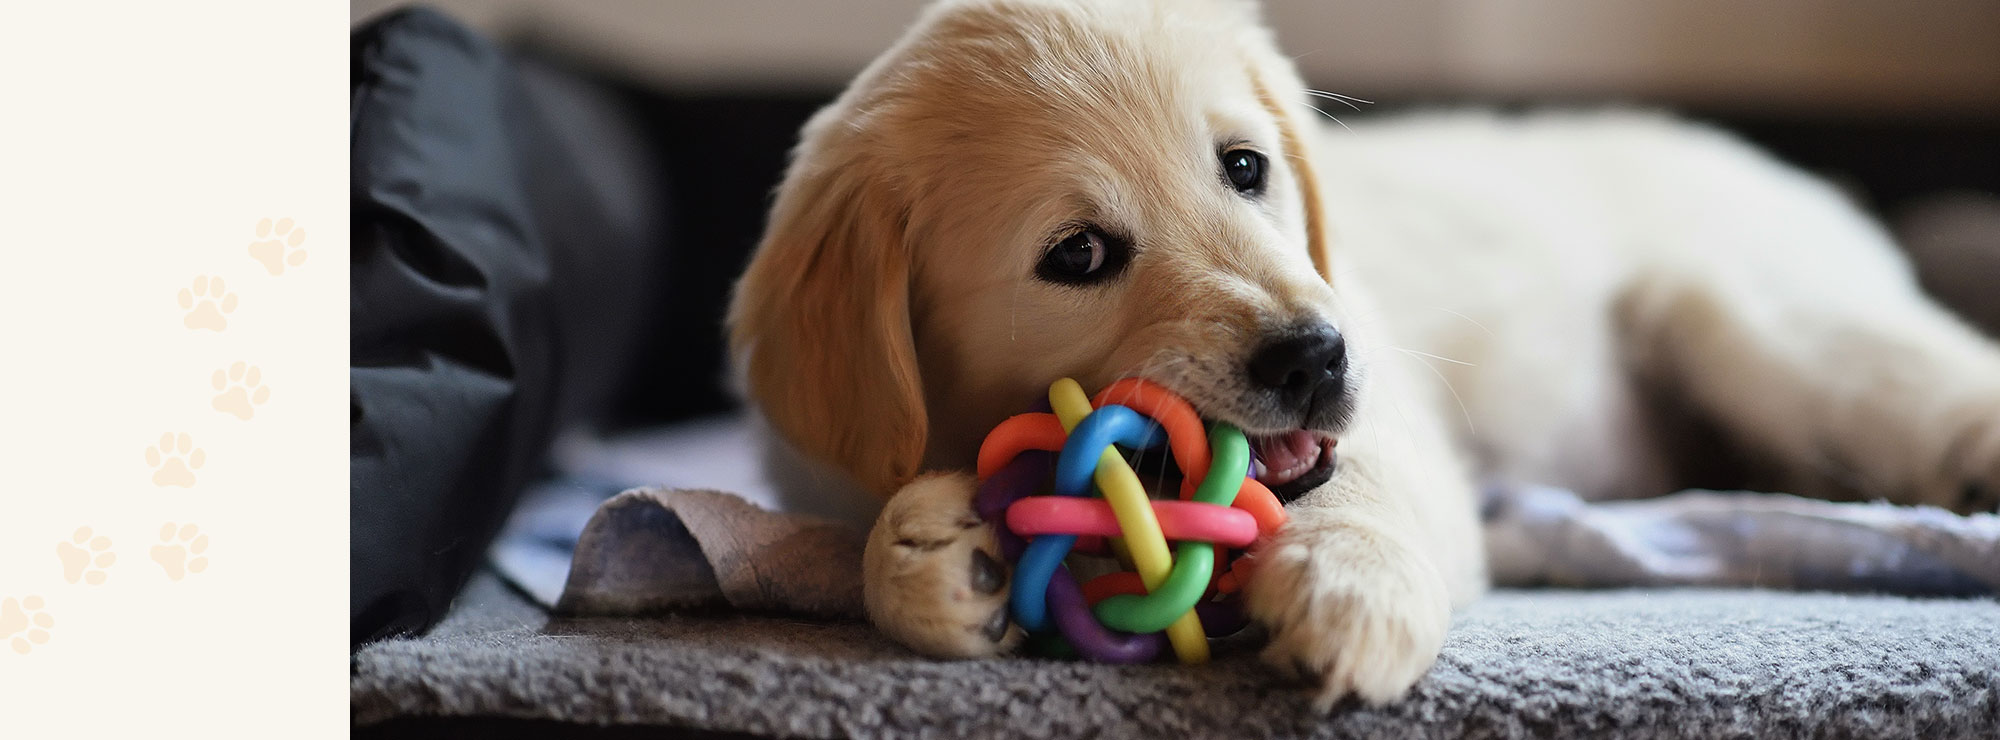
{"x": 1301, "y": 373}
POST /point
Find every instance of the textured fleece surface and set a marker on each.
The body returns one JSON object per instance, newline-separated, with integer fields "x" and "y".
{"x": 1631, "y": 663}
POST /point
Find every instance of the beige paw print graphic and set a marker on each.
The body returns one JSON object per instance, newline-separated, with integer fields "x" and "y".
{"x": 205, "y": 302}
{"x": 174, "y": 459}
{"x": 240, "y": 389}
{"x": 23, "y": 624}
{"x": 277, "y": 245}
{"x": 84, "y": 557}
{"x": 180, "y": 550}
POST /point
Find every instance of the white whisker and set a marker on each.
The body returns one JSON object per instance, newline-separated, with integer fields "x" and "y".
{"x": 1337, "y": 96}
{"x": 1338, "y": 100}
{"x": 1482, "y": 327}
{"x": 1013, "y": 312}
{"x": 1454, "y": 392}
{"x": 1328, "y": 115}
{"x": 1434, "y": 357}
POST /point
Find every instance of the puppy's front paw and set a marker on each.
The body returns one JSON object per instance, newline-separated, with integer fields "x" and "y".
{"x": 1350, "y": 608}
{"x": 933, "y": 576}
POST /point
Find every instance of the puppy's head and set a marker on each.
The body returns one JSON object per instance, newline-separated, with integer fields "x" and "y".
{"x": 1020, "y": 191}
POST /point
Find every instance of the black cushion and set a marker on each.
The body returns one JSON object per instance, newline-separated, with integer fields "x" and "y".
{"x": 503, "y": 239}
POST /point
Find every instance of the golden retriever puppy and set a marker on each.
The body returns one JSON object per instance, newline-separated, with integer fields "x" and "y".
{"x": 1021, "y": 190}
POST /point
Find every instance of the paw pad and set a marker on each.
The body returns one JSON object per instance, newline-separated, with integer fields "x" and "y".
{"x": 174, "y": 459}
{"x": 205, "y": 303}
{"x": 23, "y": 624}
{"x": 240, "y": 389}
{"x": 278, "y": 245}
{"x": 85, "y": 557}
{"x": 180, "y": 550}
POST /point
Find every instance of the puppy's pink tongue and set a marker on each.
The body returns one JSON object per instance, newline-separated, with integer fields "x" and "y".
{"x": 1286, "y": 456}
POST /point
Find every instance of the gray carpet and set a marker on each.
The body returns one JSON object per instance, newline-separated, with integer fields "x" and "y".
{"x": 1634, "y": 663}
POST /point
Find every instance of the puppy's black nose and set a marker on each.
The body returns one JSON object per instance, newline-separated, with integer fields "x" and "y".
{"x": 1298, "y": 364}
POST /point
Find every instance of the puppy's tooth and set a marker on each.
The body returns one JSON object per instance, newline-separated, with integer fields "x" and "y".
{"x": 996, "y": 625}
{"x": 988, "y": 575}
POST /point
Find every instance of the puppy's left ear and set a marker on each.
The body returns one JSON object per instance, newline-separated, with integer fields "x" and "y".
{"x": 1283, "y": 95}
{"x": 820, "y": 323}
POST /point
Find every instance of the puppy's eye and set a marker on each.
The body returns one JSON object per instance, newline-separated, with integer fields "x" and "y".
{"x": 1085, "y": 257}
{"x": 1245, "y": 170}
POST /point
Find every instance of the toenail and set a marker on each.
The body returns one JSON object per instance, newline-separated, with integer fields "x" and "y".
{"x": 988, "y": 575}
{"x": 996, "y": 626}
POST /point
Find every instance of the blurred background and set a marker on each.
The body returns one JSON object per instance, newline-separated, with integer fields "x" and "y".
{"x": 1872, "y": 59}
{"x": 1898, "y": 100}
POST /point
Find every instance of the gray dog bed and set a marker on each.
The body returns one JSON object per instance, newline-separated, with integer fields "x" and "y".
{"x": 1546, "y": 663}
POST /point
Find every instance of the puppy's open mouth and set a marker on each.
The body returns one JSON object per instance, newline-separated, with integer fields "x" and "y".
{"x": 1293, "y": 463}
{"x": 1290, "y": 464}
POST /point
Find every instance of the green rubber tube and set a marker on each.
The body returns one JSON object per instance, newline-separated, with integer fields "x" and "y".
{"x": 1194, "y": 562}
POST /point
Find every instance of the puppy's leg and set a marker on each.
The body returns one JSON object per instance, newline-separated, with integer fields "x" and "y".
{"x": 1870, "y": 391}
{"x": 1357, "y": 590}
{"x": 932, "y": 574}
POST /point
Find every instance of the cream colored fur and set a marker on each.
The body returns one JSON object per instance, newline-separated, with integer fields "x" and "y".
{"x": 1513, "y": 291}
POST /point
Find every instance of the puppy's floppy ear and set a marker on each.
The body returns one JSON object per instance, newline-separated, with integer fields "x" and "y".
{"x": 820, "y": 323}
{"x": 1283, "y": 95}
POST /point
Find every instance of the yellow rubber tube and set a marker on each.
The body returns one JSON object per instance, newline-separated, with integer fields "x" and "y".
{"x": 1134, "y": 511}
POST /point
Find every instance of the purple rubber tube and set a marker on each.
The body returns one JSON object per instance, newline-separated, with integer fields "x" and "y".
{"x": 1091, "y": 639}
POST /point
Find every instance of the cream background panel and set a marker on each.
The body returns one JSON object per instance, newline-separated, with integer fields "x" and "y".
{"x": 144, "y": 143}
